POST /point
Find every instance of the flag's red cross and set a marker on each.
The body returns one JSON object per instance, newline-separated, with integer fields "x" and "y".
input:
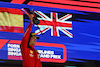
{"x": 54, "y": 23}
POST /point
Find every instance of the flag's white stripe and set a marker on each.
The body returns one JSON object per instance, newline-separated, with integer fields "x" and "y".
{"x": 52, "y": 16}
{"x": 57, "y": 17}
{"x": 68, "y": 28}
{"x": 67, "y": 33}
{"x": 61, "y": 19}
{"x": 42, "y": 27}
{"x": 46, "y": 17}
{"x": 37, "y": 31}
{"x": 51, "y": 30}
{"x": 42, "y": 19}
{"x": 56, "y": 30}
{"x": 65, "y": 21}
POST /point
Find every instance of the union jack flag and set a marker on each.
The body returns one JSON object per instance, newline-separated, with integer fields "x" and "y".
{"x": 54, "y": 23}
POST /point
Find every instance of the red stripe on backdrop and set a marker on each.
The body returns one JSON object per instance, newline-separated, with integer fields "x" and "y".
{"x": 92, "y": 0}
{"x": 64, "y": 6}
{"x": 3, "y": 42}
{"x": 14, "y": 42}
{"x": 72, "y": 2}
{"x": 11, "y": 29}
{"x": 17, "y": 1}
{"x": 11, "y": 10}
{"x": 61, "y": 1}
{"x": 14, "y": 57}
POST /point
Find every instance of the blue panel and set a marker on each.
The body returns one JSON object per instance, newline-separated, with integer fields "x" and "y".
{"x": 85, "y": 44}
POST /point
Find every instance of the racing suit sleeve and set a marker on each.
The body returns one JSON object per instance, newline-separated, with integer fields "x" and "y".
{"x": 25, "y": 38}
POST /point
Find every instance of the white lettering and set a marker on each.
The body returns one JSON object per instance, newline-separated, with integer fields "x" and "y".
{"x": 14, "y": 45}
{"x": 14, "y": 53}
{"x": 48, "y": 54}
{"x": 14, "y": 49}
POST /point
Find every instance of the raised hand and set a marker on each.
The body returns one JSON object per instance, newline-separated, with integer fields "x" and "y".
{"x": 31, "y": 17}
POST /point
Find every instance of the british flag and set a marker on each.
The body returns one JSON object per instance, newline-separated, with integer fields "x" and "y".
{"x": 54, "y": 23}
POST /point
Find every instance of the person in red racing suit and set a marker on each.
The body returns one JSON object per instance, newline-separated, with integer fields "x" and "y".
{"x": 29, "y": 55}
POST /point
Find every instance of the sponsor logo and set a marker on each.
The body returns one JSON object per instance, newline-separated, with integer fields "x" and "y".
{"x": 31, "y": 53}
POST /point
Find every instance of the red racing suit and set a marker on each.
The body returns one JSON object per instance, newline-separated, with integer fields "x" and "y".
{"x": 29, "y": 55}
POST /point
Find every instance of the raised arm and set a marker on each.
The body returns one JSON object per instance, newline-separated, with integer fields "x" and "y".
{"x": 26, "y": 35}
